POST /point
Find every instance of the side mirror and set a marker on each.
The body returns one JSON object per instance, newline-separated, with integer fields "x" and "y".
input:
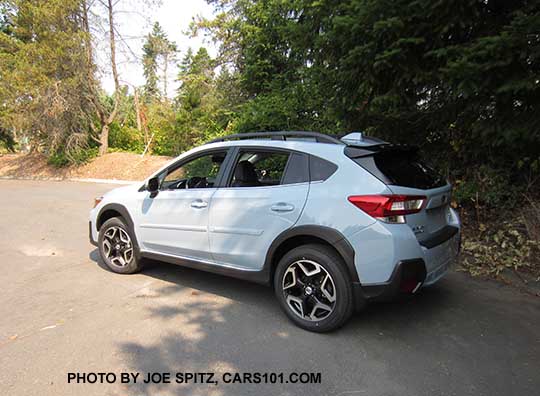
{"x": 153, "y": 185}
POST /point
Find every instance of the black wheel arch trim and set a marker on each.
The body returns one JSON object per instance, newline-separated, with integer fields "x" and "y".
{"x": 90, "y": 236}
{"x": 120, "y": 209}
{"x": 333, "y": 237}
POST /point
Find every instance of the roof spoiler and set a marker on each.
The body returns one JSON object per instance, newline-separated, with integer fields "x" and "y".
{"x": 358, "y": 152}
{"x": 359, "y": 139}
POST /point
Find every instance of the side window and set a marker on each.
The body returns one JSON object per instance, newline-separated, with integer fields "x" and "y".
{"x": 297, "y": 169}
{"x": 259, "y": 168}
{"x": 200, "y": 172}
{"x": 320, "y": 169}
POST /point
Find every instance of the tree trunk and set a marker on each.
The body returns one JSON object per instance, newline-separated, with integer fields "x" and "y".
{"x": 166, "y": 62}
{"x": 104, "y": 139}
{"x": 112, "y": 42}
{"x": 107, "y": 121}
{"x": 137, "y": 109}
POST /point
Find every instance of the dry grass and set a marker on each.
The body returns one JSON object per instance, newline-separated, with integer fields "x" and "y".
{"x": 506, "y": 246}
{"x": 531, "y": 220}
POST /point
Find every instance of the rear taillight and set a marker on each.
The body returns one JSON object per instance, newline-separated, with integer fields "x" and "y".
{"x": 389, "y": 208}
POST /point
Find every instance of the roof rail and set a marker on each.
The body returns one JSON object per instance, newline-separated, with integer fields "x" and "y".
{"x": 319, "y": 137}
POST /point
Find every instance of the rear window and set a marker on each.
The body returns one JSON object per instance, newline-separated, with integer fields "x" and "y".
{"x": 403, "y": 168}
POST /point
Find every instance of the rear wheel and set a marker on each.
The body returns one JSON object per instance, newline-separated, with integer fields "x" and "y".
{"x": 313, "y": 288}
{"x": 117, "y": 248}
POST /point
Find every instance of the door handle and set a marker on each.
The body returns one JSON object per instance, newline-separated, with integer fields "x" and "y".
{"x": 282, "y": 207}
{"x": 199, "y": 204}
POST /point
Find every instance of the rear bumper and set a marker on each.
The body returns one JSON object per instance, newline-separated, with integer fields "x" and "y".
{"x": 410, "y": 275}
{"x": 380, "y": 247}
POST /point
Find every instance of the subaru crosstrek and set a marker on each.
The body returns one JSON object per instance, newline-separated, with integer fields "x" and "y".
{"x": 330, "y": 223}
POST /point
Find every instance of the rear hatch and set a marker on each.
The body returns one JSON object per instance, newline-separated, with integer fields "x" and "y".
{"x": 404, "y": 172}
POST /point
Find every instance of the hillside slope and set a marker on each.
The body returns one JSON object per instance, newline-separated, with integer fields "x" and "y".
{"x": 119, "y": 166}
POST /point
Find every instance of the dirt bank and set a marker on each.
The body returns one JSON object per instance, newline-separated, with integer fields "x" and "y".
{"x": 120, "y": 166}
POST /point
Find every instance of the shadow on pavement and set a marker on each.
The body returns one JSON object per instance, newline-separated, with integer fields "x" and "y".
{"x": 228, "y": 325}
{"x": 428, "y": 300}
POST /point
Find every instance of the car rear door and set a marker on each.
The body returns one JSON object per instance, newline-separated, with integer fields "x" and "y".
{"x": 264, "y": 196}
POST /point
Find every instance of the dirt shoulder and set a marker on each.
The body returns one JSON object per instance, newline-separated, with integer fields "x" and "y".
{"x": 119, "y": 166}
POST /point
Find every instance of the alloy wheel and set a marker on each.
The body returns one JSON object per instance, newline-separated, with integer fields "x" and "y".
{"x": 309, "y": 290}
{"x": 117, "y": 246}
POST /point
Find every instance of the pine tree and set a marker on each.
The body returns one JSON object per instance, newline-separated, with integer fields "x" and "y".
{"x": 44, "y": 85}
{"x": 157, "y": 50}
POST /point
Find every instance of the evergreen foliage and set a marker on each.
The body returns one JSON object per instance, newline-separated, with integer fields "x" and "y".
{"x": 459, "y": 78}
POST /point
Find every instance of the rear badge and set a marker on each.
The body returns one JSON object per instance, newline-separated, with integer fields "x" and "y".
{"x": 419, "y": 229}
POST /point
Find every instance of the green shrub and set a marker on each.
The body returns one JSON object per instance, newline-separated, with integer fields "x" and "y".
{"x": 58, "y": 160}
{"x": 488, "y": 188}
{"x": 125, "y": 138}
{"x": 81, "y": 156}
{"x": 84, "y": 155}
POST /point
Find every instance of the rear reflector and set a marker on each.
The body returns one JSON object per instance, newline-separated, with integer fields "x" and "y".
{"x": 388, "y": 206}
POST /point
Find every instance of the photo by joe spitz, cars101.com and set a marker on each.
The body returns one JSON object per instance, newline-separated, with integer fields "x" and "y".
{"x": 330, "y": 223}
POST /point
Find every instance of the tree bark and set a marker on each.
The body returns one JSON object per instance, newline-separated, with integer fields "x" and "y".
{"x": 141, "y": 121}
{"x": 137, "y": 109}
{"x": 166, "y": 63}
{"x": 104, "y": 135}
{"x": 104, "y": 119}
{"x": 112, "y": 42}
{"x": 94, "y": 96}
{"x": 104, "y": 139}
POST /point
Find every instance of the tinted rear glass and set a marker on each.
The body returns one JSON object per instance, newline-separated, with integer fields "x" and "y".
{"x": 320, "y": 169}
{"x": 297, "y": 170}
{"x": 402, "y": 168}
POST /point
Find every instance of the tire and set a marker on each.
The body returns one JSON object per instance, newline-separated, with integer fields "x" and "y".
{"x": 115, "y": 233}
{"x": 313, "y": 290}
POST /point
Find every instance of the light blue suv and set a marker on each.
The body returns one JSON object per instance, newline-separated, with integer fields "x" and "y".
{"x": 329, "y": 223}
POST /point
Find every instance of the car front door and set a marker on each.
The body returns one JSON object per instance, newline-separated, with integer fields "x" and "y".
{"x": 264, "y": 196}
{"x": 175, "y": 220}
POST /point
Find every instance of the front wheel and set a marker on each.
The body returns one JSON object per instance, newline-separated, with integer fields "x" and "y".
{"x": 117, "y": 248}
{"x": 313, "y": 288}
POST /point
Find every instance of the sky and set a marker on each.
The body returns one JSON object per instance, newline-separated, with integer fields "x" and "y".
{"x": 135, "y": 19}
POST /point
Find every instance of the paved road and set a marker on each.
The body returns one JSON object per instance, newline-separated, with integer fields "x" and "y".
{"x": 61, "y": 311}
